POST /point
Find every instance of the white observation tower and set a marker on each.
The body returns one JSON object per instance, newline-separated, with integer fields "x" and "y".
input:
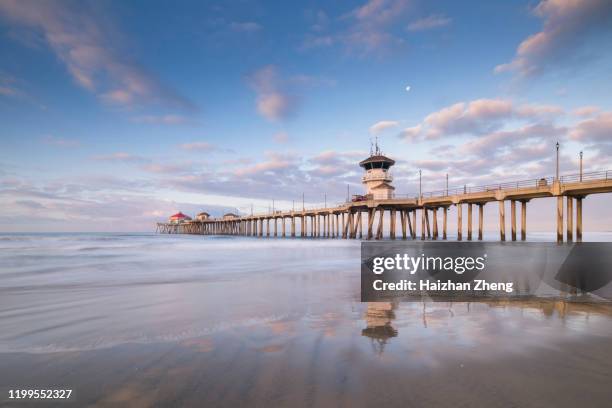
{"x": 377, "y": 179}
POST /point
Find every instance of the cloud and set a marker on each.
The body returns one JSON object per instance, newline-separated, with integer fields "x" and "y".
{"x": 161, "y": 119}
{"x": 197, "y": 146}
{"x": 476, "y": 117}
{"x": 30, "y": 204}
{"x": 597, "y": 129}
{"x": 383, "y": 125}
{"x": 8, "y": 87}
{"x": 61, "y": 142}
{"x": 122, "y": 157}
{"x": 429, "y": 22}
{"x": 274, "y": 101}
{"x": 586, "y": 111}
{"x": 6, "y": 90}
{"x": 281, "y": 137}
{"x": 275, "y": 162}
{"x": 171, "y": 168}
{"x": 567, "y": 26}
{"x": 364, "y": 30}
{"x": 246, "y": 26}
{"x": 149, "y": 165}
{"x": 488, "y": 140}
{"x": 91, "y": 205}
{"x": 88, "y": 49}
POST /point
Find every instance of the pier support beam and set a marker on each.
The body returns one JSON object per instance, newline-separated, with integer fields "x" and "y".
{"x": 560, "y": 219}
{"x": 403, "y": 221}
{"x": 469, "y": 221}
{"x": 349, "y": 225}
{"x": 370, "y": 222}
{"x": 523, "y": 220}
{"x": 435, "y": 222}
{"x": 392, "y": 223}
{"x": 413, "y": 225}
{"x": 410, "y": 225}
{"x": 381, "y": 218}
{"x": 513, "y": 218}
{"x": 459, "y": 222}
{"x": 293, "y": 226}
{"x": 480, "y": 220}
{"x": 570, "y": 219}
{"x": 579, "y": 219}
{"x": 423, "y": 210}
{"x": 444, "y": 222}
{"x": 502, "y": 220}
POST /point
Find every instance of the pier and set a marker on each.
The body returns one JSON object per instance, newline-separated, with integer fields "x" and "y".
{"x": 365, "y": 219}
{"x": 367, "y": 212}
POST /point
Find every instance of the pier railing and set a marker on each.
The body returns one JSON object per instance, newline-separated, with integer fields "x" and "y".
{"x": 537, "y": 183}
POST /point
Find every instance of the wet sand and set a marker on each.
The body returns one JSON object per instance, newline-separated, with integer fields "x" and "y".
{"x": 291, "y": 334}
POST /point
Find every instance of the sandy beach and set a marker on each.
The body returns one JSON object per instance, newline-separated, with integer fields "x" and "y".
{"x": 144, "y": 320}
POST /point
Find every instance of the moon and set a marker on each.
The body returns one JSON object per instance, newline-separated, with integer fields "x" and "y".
{"x": 407, "y": 88}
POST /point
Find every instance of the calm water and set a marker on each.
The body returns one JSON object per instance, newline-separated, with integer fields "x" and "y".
{"x": 134, "y": 320}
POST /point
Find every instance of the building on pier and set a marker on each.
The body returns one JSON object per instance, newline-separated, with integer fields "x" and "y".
{"x": 203, "y": 216}
{"x": 178, "y": 218}
{"x": 377, "y": 179}
{"x": 230, "y": 216}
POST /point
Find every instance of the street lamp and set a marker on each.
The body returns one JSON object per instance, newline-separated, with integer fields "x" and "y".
{"x": 447, "y": 184}
{"x": 581, "y": 166}
{"x": 420, "y": 184}
{"x": 557, "y": 161}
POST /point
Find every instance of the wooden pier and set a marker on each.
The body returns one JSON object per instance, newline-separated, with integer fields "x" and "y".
{"x": 366, "y": 219}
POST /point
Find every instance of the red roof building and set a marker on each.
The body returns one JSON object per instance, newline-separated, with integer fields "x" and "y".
{"x": 179, "y": 217}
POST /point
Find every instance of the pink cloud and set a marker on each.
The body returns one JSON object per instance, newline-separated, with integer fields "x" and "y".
{"x": 429, "y": 22}
{"x": 597, "y": 129}
{"x": 88, "y": 49}
{"x": 197, "y": 146}
{"x": 567, "y": 24}
{"x": 476, "y": 117}
{"x": 383, "y": 125}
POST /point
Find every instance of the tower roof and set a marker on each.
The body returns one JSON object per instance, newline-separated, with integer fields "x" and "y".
{"x": 379, "y": 158}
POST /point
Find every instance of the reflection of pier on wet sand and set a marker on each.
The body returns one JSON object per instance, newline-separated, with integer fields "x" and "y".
{"x": 380, "y": 316}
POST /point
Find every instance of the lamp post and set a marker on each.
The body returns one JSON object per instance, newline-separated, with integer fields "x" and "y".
{"x": 325, "y": 206}
{"x": 557, "y": 161}
{"x": 447, "y": 184}
{"x": 420, "y": 183}
{"x": 303, "y": 207}
{"x": 581, "y": 166}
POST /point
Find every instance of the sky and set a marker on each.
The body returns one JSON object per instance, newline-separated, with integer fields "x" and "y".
{"x": 115, "y": 114}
